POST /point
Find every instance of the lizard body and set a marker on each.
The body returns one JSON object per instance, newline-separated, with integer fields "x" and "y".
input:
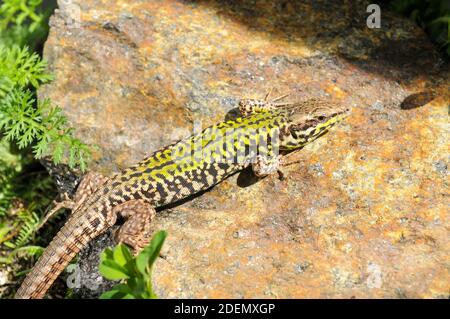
{"x": 179, "y": 170}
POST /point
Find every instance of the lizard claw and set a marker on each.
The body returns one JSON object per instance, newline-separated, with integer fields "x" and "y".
{"x": 66, "y": 202}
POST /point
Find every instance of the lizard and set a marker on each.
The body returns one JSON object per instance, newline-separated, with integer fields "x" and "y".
{"x": 177, "y": 171}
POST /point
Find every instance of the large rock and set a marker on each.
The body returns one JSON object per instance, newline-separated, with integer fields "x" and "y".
{"x": 364, "y": 212}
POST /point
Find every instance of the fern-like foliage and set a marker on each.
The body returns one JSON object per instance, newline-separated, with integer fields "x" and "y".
{"x": 19, "y": 68}
{"x": 23, "y": 21}
{"x": 26, "y": 121}
{"x": 24, "y": 195}
{"x": 29, "y": 223}
{"x": 25, "y": 251}
{"x": 44, "y": 124}
{"x": 28, "y": 129}
{"x": 17, "y": 12}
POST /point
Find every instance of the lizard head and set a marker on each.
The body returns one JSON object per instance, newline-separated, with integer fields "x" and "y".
{"x": 308, "y": 120}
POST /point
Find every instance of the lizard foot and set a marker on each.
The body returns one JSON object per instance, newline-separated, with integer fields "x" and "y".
{"x": 89, "y": 184}
{"x": 135, "y": 232}
{"x": 263, "y": 166}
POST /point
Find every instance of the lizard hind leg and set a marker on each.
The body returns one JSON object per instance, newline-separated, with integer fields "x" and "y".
{"x": 278, "y": 98}
{"x": 252, "y": 106}
{"x": 266, "y": 98}
{"x": 89, "y": 184}
{"x": 136, "y": 231}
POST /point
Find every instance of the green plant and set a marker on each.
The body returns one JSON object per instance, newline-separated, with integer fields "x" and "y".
{"x": 29, "y": 221}
{"x": 24, "y": 196}
{"x": 23, "y": 22}
{"x": 45, "y": 124}
{"x": 26, "y": 121}
{"x": 432, "y": 15}
{"x": 29, "y": 129}
{"x": 20, "y": 68}
{"x": 28, "y": 251}
{"x": 118, "y": 263}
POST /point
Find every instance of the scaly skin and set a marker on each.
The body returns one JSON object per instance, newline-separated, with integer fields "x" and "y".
{"x": 182, "y": 169}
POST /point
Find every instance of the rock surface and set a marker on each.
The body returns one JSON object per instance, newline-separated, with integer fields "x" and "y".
{"x": 365, "y": 211}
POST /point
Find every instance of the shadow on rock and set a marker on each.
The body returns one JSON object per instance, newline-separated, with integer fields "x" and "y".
{"x": 396, "y": 50}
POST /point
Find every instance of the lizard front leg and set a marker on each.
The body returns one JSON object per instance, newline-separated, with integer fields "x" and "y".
{"x": 135, "y": 232}
{"x": 89, "y": 184}
{"x": 263, "y": 165}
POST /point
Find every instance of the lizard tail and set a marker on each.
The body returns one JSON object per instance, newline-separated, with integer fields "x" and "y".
{"x": 74, "y": 235}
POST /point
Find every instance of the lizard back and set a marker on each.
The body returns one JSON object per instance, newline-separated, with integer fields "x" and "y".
{"x": 197, "y": 162}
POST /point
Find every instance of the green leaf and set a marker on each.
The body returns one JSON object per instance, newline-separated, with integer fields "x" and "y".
{"x": 110, "y": 294}
{"x": 138, "y": 285}
{"x": 441, "y": 20}
{"x": 35, "y": 251}
{"x": 112, "y": 271}
{"x": 120, "y": 291}
{"x": 9, "y": 244}
{"x": 31, "y": 251}
{"x": 122, "y": 255}
{"x": 124, "y": 288}
{"x": 107, "y": 254}
{"x": 4, "y": 230}
{"x": 147, "y": 257}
